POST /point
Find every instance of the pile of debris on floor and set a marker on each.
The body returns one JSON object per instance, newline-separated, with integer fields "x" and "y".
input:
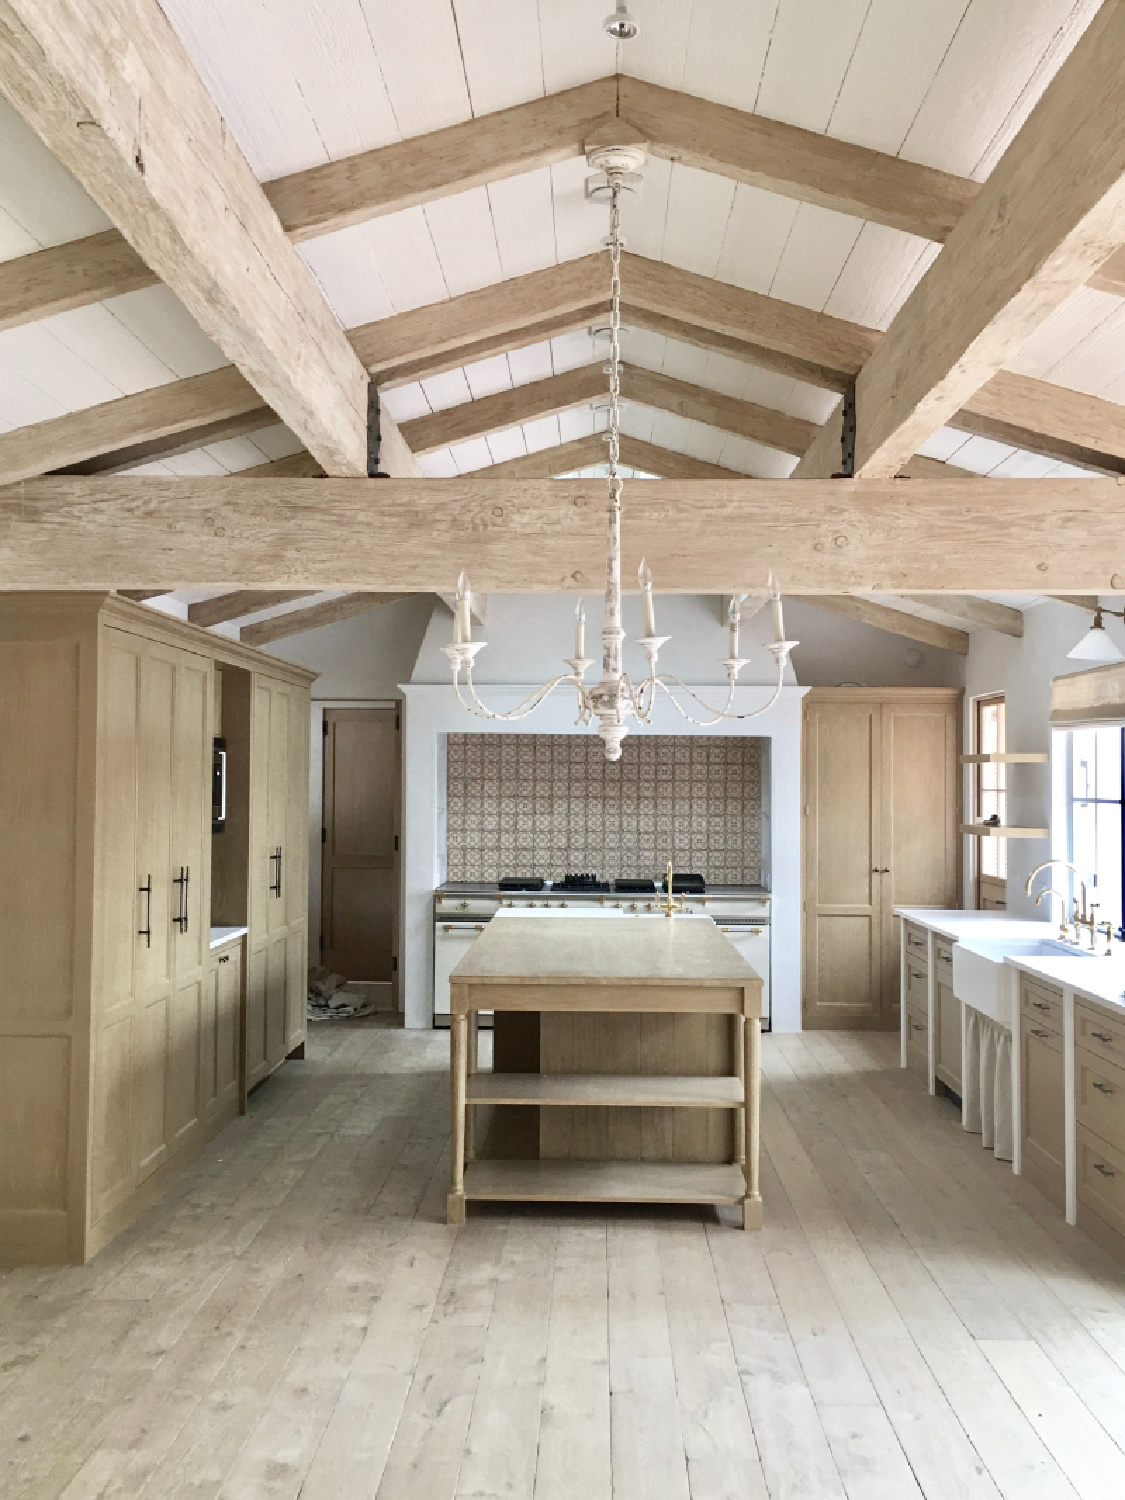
{"x": 333, "y": 998}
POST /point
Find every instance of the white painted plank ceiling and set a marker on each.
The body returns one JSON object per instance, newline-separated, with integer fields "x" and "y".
{"x": 944, "y": 82}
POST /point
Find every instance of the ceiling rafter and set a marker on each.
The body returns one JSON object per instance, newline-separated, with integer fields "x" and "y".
{"x": 896, "y": 621}
{"x": 234, "y": 606}
{"x": 700, "y": 536}
{"x": 1034, "y": 233}
{"x": 747, "y": 148}
{"x": 327, "y": 612}
{"x": 185, "y": 198}
{"x": 974, "y": 611}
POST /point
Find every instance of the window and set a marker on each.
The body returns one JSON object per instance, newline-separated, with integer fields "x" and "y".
{"x": 1097, "y": 809}
{"x": 992, "y": 785}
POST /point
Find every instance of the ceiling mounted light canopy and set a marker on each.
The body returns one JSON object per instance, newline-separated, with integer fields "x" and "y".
{"x": 1096, "y": 644}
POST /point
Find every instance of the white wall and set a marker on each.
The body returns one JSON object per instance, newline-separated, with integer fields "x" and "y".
{"x": 1022, "y": 670}
{"x": 835, "y": 651}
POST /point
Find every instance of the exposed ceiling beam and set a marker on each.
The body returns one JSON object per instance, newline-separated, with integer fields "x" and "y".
{"x": 156, "y": 156}
{"x": 795, "y": 163}
{"x": 700, "y": 536}
{"x": 523, "y": 403}
{"x": 123, "y": 459}
{"x": 64, "y": 277}
{"x": 773, "y": 429}
{"x": 327, "y": 612}
{"x": 545, "y": 463}
{"x": 1033, "y": 234}
{"x": 393, "y": 349}
{"x": 896, "y": 621}
{"x": 293, "y": 466}
{"x": 165, "y": 411}
{"x": 670, "y": 465}
{"x": 973, "y": 611}
{"x": 142, "y": 594}
{"x": 234, "y": 606}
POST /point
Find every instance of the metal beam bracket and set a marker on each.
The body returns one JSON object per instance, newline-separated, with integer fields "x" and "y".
{"x": 847, "y": 436}
{"x": 374, "y": 433}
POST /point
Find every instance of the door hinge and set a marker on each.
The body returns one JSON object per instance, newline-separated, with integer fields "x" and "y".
{"x": 396, "y": 843}
{"x": 324, "y": 835}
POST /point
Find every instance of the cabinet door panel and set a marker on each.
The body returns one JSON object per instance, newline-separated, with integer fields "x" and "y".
{"x": 277, "y": 976}
{"x": 148, "y": 1088}
{"x": 154, "y": 815}
{"x": 113, "y": 1167}
{"x": 183, "y": 1062}
{"x": 261, "y": 869}
{"x": 191, "y": 836}
{"x": 278, "y": 803}
{"x": 947, "y": 1036}
{"x": 1043, "y": 1103}
{"x": 296, "y": 985}
{"x": 209, "y": 1044}
{"x": 842, "y": 764}
{"x": 296, "y": 893}
{"x": 122, "y": 908}
{"x": 256, "y": 981}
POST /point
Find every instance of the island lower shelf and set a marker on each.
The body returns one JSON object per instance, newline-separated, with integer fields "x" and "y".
{"x": 641, "y": 1091}
{"x": 547, "y": 1181}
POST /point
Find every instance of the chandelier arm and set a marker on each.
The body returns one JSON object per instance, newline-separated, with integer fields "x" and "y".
{"x": 522, "y": 710}
{"x": 718, "y": 715}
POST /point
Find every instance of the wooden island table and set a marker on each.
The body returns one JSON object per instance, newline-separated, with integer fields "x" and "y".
{"x": 651, "y": 989}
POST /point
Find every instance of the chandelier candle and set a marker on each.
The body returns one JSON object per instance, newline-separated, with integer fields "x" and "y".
{"x": 615, "y": 700}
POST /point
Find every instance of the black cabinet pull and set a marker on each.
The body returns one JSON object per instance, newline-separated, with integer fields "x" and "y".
{"x": 1102, "y": 1088}
{"x": 180, "y": 920}
{"x": 1035, "y": 1031}
{"x": 146, "y": 930}
{"x": 1102, "y": 1036}
{"x": 225, "y": 958}
{"x": 1104, "y": 1170}
{"x": 275, "y": 883}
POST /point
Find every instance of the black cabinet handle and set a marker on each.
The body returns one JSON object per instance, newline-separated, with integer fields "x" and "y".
{"x": 1035, "y": 1031}
{"x": 225, "y": 958}
{"x": 1104, "y": 1170}
{"x": 1102, "y": 1036}
{"x": 1102, "y": 1088}
{"x": 182, "y": 880}
{"x": 146, "y": 930}
{"x": 275, "y": 884}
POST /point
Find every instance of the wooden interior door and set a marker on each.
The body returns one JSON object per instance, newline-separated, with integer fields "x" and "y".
{"x": 843, "y": 812}
{"x": 921, "y": 801}
{"x": 359, "y": 887}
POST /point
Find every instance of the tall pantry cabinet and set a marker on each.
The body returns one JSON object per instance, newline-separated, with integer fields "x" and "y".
{"x": 881, "y": 809}
{"x": 110, "y": 998}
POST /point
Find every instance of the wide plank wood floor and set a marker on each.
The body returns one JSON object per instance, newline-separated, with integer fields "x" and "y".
{"x": 294, "y": 1318}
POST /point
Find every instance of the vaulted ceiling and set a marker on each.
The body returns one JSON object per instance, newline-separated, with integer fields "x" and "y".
{"x": 809, "y": 157}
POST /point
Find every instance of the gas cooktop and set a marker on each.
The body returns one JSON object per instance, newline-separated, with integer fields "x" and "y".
{"x": 580, "y": 883}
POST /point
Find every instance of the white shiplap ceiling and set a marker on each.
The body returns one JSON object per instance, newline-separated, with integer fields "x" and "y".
{"x": 299, "y": 82}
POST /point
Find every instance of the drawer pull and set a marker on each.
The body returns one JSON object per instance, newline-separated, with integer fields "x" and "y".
{"x": 1103, "y": 1169}
{"x": 225, "y": 958}
{"x": 1042, "y": 1004}
{"x": 1102, "y": 1036}
{"x": 1102, "y": 1088}
{"x": 917, "y": 1026}
{"x": 1043, "y": 1035}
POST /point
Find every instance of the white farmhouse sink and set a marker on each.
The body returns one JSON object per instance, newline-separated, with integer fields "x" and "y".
{"x": 978, "y": 970}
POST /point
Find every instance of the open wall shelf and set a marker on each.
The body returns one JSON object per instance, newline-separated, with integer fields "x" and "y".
{"x": 1008, "y": 758}
{"x": 1002, "y": 831}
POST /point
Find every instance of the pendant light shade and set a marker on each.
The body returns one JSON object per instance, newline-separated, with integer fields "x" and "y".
{"x": 1096, "y": 644}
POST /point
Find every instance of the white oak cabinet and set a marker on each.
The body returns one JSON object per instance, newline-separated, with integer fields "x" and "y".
{"x": 881, "y": 800}
{"x": 120, "y": 1031}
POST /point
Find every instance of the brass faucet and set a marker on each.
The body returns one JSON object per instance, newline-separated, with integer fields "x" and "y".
{"x": 1085, "y": 918}
{"x": 1064, "y": 924}
{"x": 669, "y": 906}
{"x": 1088, "y": 921}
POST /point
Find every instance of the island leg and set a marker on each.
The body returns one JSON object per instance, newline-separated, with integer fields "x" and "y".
{"x": 752, "y": 1072}
{"x": 458, "y": 1059}
{"x": 471, "y": 1067}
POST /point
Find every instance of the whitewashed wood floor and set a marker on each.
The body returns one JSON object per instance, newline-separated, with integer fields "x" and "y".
{"x": 295, "y": 1319}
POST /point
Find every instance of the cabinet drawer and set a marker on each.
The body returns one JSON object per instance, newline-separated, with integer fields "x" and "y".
{"x": 917, "y": 986}
{"x": 947, "y": 1036}
{"x": 446, "y": 906}
{"x": 1098, "y": 1033}
{"x": 916, "y": 942}
{"x": 1099, "y": 1094}
{"x": 943, "y": 958}
{"x": 917, "y": 1042}
{"x": 1101, "y": 1179}
{"x": 1041, "y": 1006}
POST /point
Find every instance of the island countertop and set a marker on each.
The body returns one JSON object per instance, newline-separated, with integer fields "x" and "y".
{"x": 572, "y": 949}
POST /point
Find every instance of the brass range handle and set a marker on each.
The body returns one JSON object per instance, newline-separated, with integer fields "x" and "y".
{"x": 1102, "y": 1088}
{"x": 183, "y": 879}
{"x": 146, "y": 930}
{"x": 1103, "y": 1169}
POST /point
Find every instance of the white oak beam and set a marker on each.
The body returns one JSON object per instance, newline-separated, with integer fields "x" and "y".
{"x": 523, "y": 403}
{"x": 234, "y": 606}
{"x": 700, "y": 536}
{"x": 984, "y": 612}
{"x": 546, "y": 463}
{"x": 896, "y": 621}
{"x": 327, "y": 612}
{"x": 67, "y": 276}
{"x": 1051, "y": 212}
{"x": 772, "y": 429}
{"x": 166, "y": 411}
{"x": 148, "y": 144}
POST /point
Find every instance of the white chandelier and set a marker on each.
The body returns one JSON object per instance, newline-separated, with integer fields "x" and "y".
{"x": 615, "y": 700}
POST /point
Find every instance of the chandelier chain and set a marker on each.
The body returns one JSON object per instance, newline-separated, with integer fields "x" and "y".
{"x": 614, "y": 338}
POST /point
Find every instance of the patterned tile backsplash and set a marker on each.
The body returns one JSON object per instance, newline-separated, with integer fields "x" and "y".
{"x": 543, "y": 804}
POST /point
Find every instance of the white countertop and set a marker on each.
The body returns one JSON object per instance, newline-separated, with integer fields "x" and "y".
{"x": 1099, "y": 979}
{"x": 221, "y": 935}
